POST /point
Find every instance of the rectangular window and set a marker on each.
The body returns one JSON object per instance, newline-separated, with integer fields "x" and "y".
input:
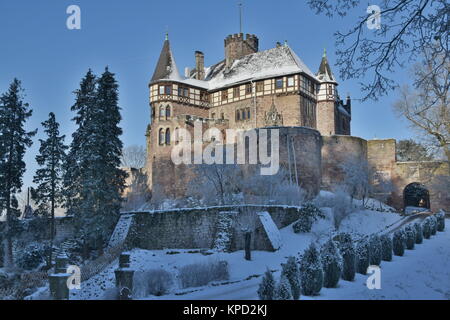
{"x": 290, "y": 82}
{"x": 168, "y": 89}
{"x": 248, "y": 88}
{"x": 224, "y": 95}
{"x": 260, "y": 86}
{"x": 236, "y": 92}
{"x": 279, "y": 83}
{"x": 161, "y": 89}
{"x": 186, "y": 92}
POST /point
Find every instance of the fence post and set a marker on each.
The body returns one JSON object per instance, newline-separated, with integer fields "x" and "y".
{"x": 58, "y": 280}
{"x": 124, "y": 277}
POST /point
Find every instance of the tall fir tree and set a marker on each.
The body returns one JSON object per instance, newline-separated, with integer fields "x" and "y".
{"x": 14, "y": 141}
{"x": 49, "y": 191}
{"x": 94, "y": 160}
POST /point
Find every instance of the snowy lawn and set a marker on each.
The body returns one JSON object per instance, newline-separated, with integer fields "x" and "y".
{"x": 358, "y": 223}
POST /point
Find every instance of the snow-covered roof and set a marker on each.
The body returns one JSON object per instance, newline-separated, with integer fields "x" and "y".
{"x": 166, "y": 69}
{"x": 325, "y": 74}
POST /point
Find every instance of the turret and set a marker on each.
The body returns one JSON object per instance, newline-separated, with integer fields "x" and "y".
{"x": 237, "y": 47}
{"x": 166, "y": 69}
{"x": 328, "y": 84}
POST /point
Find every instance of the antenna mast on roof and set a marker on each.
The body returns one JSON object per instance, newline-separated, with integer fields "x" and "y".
{"x": 240, "y": 17}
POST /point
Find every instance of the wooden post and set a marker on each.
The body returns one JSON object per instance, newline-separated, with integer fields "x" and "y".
{"x": 248, "y": 241}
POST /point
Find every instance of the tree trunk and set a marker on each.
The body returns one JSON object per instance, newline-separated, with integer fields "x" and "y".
{"x": 248, "y": 240}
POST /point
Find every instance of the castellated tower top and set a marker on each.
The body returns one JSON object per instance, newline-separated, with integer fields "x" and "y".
{"x": 236, "y": 46}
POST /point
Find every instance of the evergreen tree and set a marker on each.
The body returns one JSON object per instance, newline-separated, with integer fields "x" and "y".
{"x": 410, "y": 237}
{"x": 311, "y": 273}
{"x": 398, "y": 242}
{"x": 386, "y": 246}
{"x": 362, "y": 256}
{"x": 266, "y": 290}
{"x": 331, "y": 263}
{"x": 48, "y": 193}
{"x": 375, "y": 250}
{"x": 96, "y": 198}
{"x": 440, "y": 216}
{"x": 347, "y": 251}
{"x": 426, "y": 227}
{"x": 419, "y": 232}
{"x": 14, "y": 140}
{"x": 434, "y": 223}
{"x": 291, "y": 272}
{"x": 283, "y": 290}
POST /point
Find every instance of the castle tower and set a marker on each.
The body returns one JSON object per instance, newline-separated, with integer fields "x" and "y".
{"x": 237, "y": 47}
{"x": 326, "y": 99}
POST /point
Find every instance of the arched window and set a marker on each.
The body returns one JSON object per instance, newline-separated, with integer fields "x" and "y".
{"x": 167, "y": 111}
{"x": 161, "y": 112}
{"x": 168, "y": 137}
{"x": 161, "y": 137}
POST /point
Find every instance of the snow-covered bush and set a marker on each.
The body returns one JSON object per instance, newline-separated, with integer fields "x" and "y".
{"x": 283, "y": 290}
{"x": 386, "y": 247}
{"x": 309, "y": 213}
{"x": 311, "y": 273}
{"x": 347, "y": 251}
{"x": 291, "y": 272}
{"x": 398, "y": 243}
{"x": 156, "y": 282}
{"x": 200, "y": 274}
{"x": 266, "y": 290}
{"x": 419, "y": 232}
{"x": 410, "y": 233}
{"x": 426, "y": 227}
{"x": 342, "y": 207}
{"x": 440, "y": 216}
{"x": 331, "y": 264}
{"x": 362, "y": 256}
{"x": 433, "y": 224}
{"x": 32, "y": 256}
{"x": 375, "y": 250}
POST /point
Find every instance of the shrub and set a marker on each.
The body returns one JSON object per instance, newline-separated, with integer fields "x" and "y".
{"x": 283, "y": 290}
{"x": 309, "y": 213}
{"x": 32, "y": 256}
{"x": 362, "y": 256}
{"x": 375, "y": 250}
{"x": 292, "y": 274}
{"x": 200, "y": 274}
{"x": 398, "y": 243}
{"x": 386, "y": 248}
{"x": 433, "y": 224}
{"x": 331, "y": 263}
{"x": 266, "y": 290}
{"x": 342, "y": 207}
{"x": 426, "y": 227}
{"x": 419, "y": 232}
{"x": 410, "y": 233}
{"x": 347, "y": 251}
{"x": 311, "y": 274}
{"x": 440, "y": 221}
{"x": 156, "y": 282}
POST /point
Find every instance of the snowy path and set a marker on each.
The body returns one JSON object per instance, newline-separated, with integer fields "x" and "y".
{"x": 422, "y": 273}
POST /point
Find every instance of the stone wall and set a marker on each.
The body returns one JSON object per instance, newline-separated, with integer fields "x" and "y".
{"x": 197, "y": 228}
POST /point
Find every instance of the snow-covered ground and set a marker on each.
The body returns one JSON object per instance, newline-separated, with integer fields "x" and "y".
{"x": 359, "y": 223}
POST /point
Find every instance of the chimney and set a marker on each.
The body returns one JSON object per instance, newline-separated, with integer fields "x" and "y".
{"x": 200, "y": 65}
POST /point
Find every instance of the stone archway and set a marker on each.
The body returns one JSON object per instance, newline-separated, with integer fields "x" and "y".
{"x": 416, "y": 195}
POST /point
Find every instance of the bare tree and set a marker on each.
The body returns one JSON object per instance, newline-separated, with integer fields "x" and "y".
{"x": 427, "y": 106}
{"x": 133, "y": 157}
{"x": 356, "y": 178}
{"x": 407, "y": 28}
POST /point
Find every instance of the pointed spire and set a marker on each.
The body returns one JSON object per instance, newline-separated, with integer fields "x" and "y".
{"x": 325, "y": 74}
{"x": 324, "y": 53}
{"x": 166, "y": 69}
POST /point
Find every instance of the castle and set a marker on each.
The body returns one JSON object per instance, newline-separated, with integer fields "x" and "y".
{"x": 252, "y": 89}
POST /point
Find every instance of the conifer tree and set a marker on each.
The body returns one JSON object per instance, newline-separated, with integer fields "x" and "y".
{"x": 375, "y": 250}
{"x": 283, "y": 290}
{"x": 362, "y": 256}
{"x": 331, "y": 263}
{"x": 311, "y": 273}
{"x": 266, "y": 290}
{"x": 48, "y": 193}
{"x": 419, "y": 232}
{"x": 410, "y": 237}
{"x": 398, "y": 243}
{"x": 291, "y": 272}
{"x": 14, "y": 141}
{"x": 386, "y": 245}
{"x": 347, "y": 250}
{"x": 426, "y": 228}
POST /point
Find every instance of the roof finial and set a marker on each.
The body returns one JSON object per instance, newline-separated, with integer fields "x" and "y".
{"x": 240, "y": 17}
{"x": 167, "y": 33}
{"x": 324, "y": 52}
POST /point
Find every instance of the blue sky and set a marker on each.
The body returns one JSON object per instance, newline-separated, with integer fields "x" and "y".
{"x": 37, "y": 48}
